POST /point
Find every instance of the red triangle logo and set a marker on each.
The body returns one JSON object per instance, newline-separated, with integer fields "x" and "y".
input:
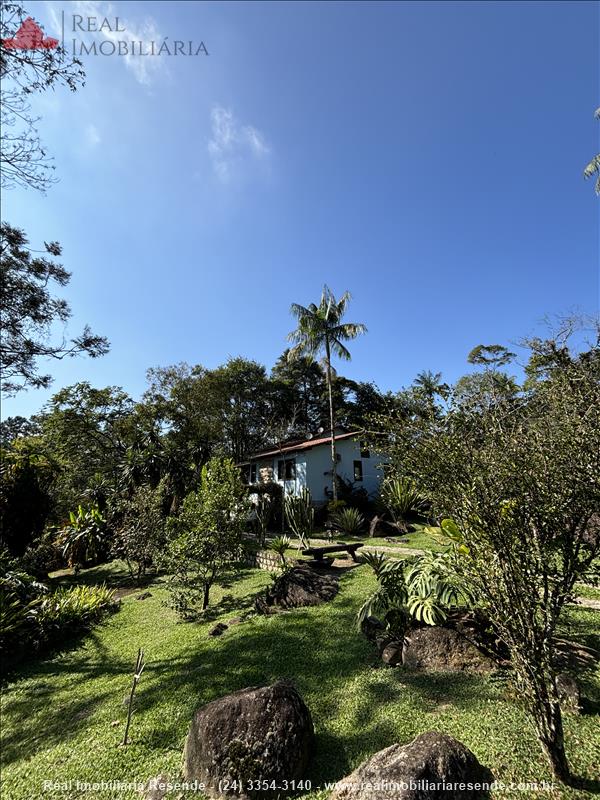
{"x": 30, "y": 37}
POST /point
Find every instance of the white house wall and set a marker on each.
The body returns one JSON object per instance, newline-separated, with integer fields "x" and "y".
{"x": 313, "y": 469}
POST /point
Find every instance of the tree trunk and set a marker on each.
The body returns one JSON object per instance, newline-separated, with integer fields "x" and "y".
{"x": 205, "y": 596}
{"x": 550, "y": 732}
{"x": 331, "y": 422}
{"x": 545, "y": 708}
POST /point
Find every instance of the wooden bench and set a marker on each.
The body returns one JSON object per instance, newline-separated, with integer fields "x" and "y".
{"x": 318, "y": 553}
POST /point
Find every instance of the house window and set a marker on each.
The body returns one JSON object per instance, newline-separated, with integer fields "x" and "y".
{"x": 253, "y": 473}
{"x": 358, "y": 473}
{"x": 287, "y": 469}
{"x": 364, "y": 450}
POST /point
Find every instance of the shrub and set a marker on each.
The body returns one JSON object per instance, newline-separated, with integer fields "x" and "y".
{"x": 141, "y": 535}
{"x": 42, "y": 558}
{"x": 33, "y": 618}
{"x": 266, "y": 502}
{"x": 300, "y": 516}
{"x": 401, "y": 498}
{"x": 424, "y": 588}
{"x": 279, "y": 545}
{"x": 349, "y": 520}
{"x": 71, "y": 610}
{"x": 206, "y": 536}
{"x": 82, "y": 539}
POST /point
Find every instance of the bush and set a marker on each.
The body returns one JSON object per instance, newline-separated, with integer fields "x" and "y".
{"x": 83, "y": 538}
{"x": 32, "y": 618}
{"x": 42, "y": 558}
{"x": 141, "y": 535}
{"x": 401, "y": 498}
{"x": 266, "y": 500}
{"x": 207, "y": 536}
{"x": 279, "y": 545}
{"x": 349, "y": 521}
{"x": 425, "y": 587}
{"x": 71, "y": 610}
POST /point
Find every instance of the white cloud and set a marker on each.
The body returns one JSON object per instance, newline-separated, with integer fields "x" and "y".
{"x": 231, "y": 143}
{"x": 92, "y": 136}
{"x": 143, "y": 67}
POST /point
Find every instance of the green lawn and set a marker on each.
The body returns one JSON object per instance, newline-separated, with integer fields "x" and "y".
{"x": 63, "y": 716}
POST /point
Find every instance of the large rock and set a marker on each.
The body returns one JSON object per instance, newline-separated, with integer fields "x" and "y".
{"x": 300, "y": 586}
{"x": 392, "y": 653}
{"x": 260, "y": 733}
{"x": 437, "y": 649}
{"x": 415, "y": 772}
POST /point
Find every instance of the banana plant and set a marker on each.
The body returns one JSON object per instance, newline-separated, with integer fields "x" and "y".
{"x": 82, "y": 537}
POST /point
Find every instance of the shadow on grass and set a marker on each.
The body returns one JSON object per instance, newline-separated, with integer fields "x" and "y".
{"x": 318, "y": 648}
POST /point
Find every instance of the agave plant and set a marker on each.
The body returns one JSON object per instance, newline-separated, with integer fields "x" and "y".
{"x": 279, "y": 545}
{"x": 349, "y": 521}
{"x": 402, "y": 498}
{"x": 300, "y": 516}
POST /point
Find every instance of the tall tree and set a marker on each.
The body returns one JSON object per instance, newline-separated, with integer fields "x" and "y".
{"x": 520, "y": 478}
{"x": 321, "y": 331}
{"x": 29, "y": 310}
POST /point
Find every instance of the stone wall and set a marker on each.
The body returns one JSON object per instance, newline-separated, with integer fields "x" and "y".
{"x": 263, "y": 559}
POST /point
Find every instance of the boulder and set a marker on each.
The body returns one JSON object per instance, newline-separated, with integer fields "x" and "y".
{"x": 382, "y": 527}
{"x": 261, "y": 733}
{"x": 414, "y": 772}
{"x": 437, "y": 649}
{"x": 300, "y": 586}
{"x": 568, "y": 693}
{"x": 392, "y": 653}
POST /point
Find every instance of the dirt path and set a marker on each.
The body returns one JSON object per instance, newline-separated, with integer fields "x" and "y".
{"x": 587, "y": 602}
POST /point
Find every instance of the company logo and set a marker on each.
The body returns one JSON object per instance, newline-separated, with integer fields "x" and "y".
{"x": 30, "y": 37}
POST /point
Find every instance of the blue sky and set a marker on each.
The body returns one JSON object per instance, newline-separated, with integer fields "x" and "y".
{"x": 427, "y": 157}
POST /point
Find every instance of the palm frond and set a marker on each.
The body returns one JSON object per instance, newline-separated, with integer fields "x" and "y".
{"x": 341, "y": 352}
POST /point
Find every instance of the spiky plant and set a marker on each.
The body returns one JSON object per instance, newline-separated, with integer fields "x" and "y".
{"x": 349, "y": 521}
{"x": 300, "y": 516}
{"x": 402, "y": 498}
{"x": 280, "y": 545}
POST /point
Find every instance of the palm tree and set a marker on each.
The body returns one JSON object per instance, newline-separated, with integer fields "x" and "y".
{"x": 593, "y": 168}
{"x": 430, "y": 384}
{"x": 321, "y": 330}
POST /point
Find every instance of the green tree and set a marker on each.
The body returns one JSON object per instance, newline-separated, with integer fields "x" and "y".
{"x": 87, "y": 431}
{"x": 27, "y": 474}
{"x": 520, "y": 478}
{"x": 299, "y": 383}
{"x": 29, "y": 310}
{"x": 141, "y": 537}
{"x": 321, "y": 330}
{"x": 206, "y": 535}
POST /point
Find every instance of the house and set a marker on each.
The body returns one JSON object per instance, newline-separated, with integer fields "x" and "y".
{"x": 307, "y": 464}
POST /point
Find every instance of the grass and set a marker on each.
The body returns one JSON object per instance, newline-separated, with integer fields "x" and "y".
{"x": 63, "y": 717}
{"x": 588, "y": 591}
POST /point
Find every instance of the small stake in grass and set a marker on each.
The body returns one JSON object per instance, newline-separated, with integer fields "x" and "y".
{"x": 139, "y": 668}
